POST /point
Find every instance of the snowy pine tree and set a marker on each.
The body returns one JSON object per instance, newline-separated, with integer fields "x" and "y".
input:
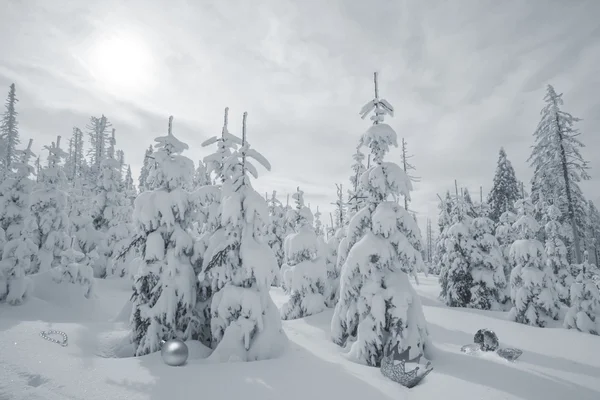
{"x": 332, "y": 288}
{"x": 506, "y": 235}
{"x": 98, "y": 129}
{"x": 556, "y": 252}
{"x": 445, "y": 207}
{"x": 304, "y": 272}
{"x": 456, "y": 277}
{"x": 49, "y": 209}
{"x": 17, "y": 223}
{"x": 145, "y": 171}
{"x": 377, "y": 303}
{"x": 201, "y": 176}
{"x": 559, "y": 166}
{"x": 276, "y": 232}
{"x": 489, "y": 288}
{"x": 74, "y": 269}
{"x": 245, "y": 322}
{"x": 164, "y": 293}
{"x": 9, "y": 132}
{"x": 226, "y": 145}
{"x": 505, "y": 190}
{"x": 356, "y": 200}
{"x": 584, "y": 314}
{"x": 531, "y": 282}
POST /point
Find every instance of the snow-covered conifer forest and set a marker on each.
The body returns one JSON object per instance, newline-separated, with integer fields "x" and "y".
{"x": 122, "y": 261}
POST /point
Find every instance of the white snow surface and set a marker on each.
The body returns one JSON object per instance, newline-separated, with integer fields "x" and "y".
{"x": 557, "y": 363}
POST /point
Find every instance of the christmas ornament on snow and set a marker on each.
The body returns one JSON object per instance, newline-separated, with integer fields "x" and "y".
{"x": 486, "y": 341}
{"x": 398, "y": 372}
{"x": 174, "y": 352}
{"x": 63, "y": 342}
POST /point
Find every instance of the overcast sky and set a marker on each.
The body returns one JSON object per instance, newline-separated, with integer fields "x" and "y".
{"x": 465, "y": 78}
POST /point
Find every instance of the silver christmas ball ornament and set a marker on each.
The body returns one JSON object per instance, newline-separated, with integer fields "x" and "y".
{"x": 174, "y": 352}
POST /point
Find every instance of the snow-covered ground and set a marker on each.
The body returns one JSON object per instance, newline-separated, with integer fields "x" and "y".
{"x": 556, "y": 363}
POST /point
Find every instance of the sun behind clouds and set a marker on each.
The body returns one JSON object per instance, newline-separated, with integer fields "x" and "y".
{"x": 122, "y": 62}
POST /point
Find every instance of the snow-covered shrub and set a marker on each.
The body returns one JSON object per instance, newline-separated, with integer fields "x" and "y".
{"x": 456, "y": 277}
{"x": 49, "y": 209}
{"x": 584, "y": 314}
{"x": 305, "y": 273}
{"x": 245, "y": 323}
{"x": 377, "y": 301}
{"x": 164, "y": 292}
{"x": 73, "y": 269}
{"x": 556, "y": 252}
{"x": 531, "y": 282}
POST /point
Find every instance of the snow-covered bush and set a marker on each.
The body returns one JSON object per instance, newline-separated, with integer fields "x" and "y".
{"x": 245, "y": 323}
{"x": 164, "y": 292}
{"x": 49, "y": 209}
{"x": 17, "y": 227}
{"x": 531, "y": 282}
{"x": 304, "y": 272}
{"x": 377, "y": 301}
{"x": 73, "y": 269}
{"x": 584, "y": 314}
{"x": 456, "y": 278}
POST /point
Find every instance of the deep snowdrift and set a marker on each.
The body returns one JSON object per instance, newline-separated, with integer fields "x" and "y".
{"x": 556, "y": 364}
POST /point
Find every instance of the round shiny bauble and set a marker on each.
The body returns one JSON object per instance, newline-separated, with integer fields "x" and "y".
{"x": 174, "y": 352}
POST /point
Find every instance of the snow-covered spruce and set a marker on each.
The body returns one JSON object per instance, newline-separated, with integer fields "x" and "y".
{"x": 17, "y": 226}
{"x": 556, "y": 253}
{"x": 111, "y": 216}
{"x": 505, "y": 190}
{"x": 532, "y": 292}
{"x": 245, "y": 323}
{"x": 73, "y": 269}
{"x": 378, "y": 304}
{"x": 445, "y": 207}
{"x": 164, "y": 293}
{"x": 505, "y": 234}
{"x": 487, "y": 267}
{"x": 276, "y": 233}
{"x": 332, "y": 289}
{"x": 226, "y": 146}
{"x": 584, "y": 314}
{"x": 304, "y": 272}
{"x": 49, "y": 209}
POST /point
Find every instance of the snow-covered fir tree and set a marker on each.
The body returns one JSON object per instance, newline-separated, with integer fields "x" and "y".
{"x": 341, "y": 208}
{"x": 164, "y": 293}
{"x": 532, "y": 292}
{"x": 456, "y": 276}
{"x": 332, "y": 288}
{"x": 407, "y": 167}
{"x": 145, "y": 171}
{"x": 275, "y": 230}
{"x": 505, "y": 190}
{"x": 559, "y": 166}
{"x": 356, "y": 200}
{"x": 445, "y": 207}
{"x": 226, "y": 145}
{"x": 304, "y": 272}
{"x": 98, "y": 129}
{"x": 201, "y": 176}
{"x": 49, "y": 209}
{"x": 245, "y": 322}
{"x": 9, "y": 132}
{"x": 17, "y": 227}
{"x": 74, "y": 269}
{"x": 594, "y": 226}
{"x": 584, "y": 313}
{"x": 556, "y": 253}
{"x": 111, "y": 215}
{"x": 489, "y": 290}
{"x": 378, "y": 305}
{"x": 506, "y": 235}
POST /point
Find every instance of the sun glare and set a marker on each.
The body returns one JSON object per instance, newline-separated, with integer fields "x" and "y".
{"x": 122, "y": 63}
